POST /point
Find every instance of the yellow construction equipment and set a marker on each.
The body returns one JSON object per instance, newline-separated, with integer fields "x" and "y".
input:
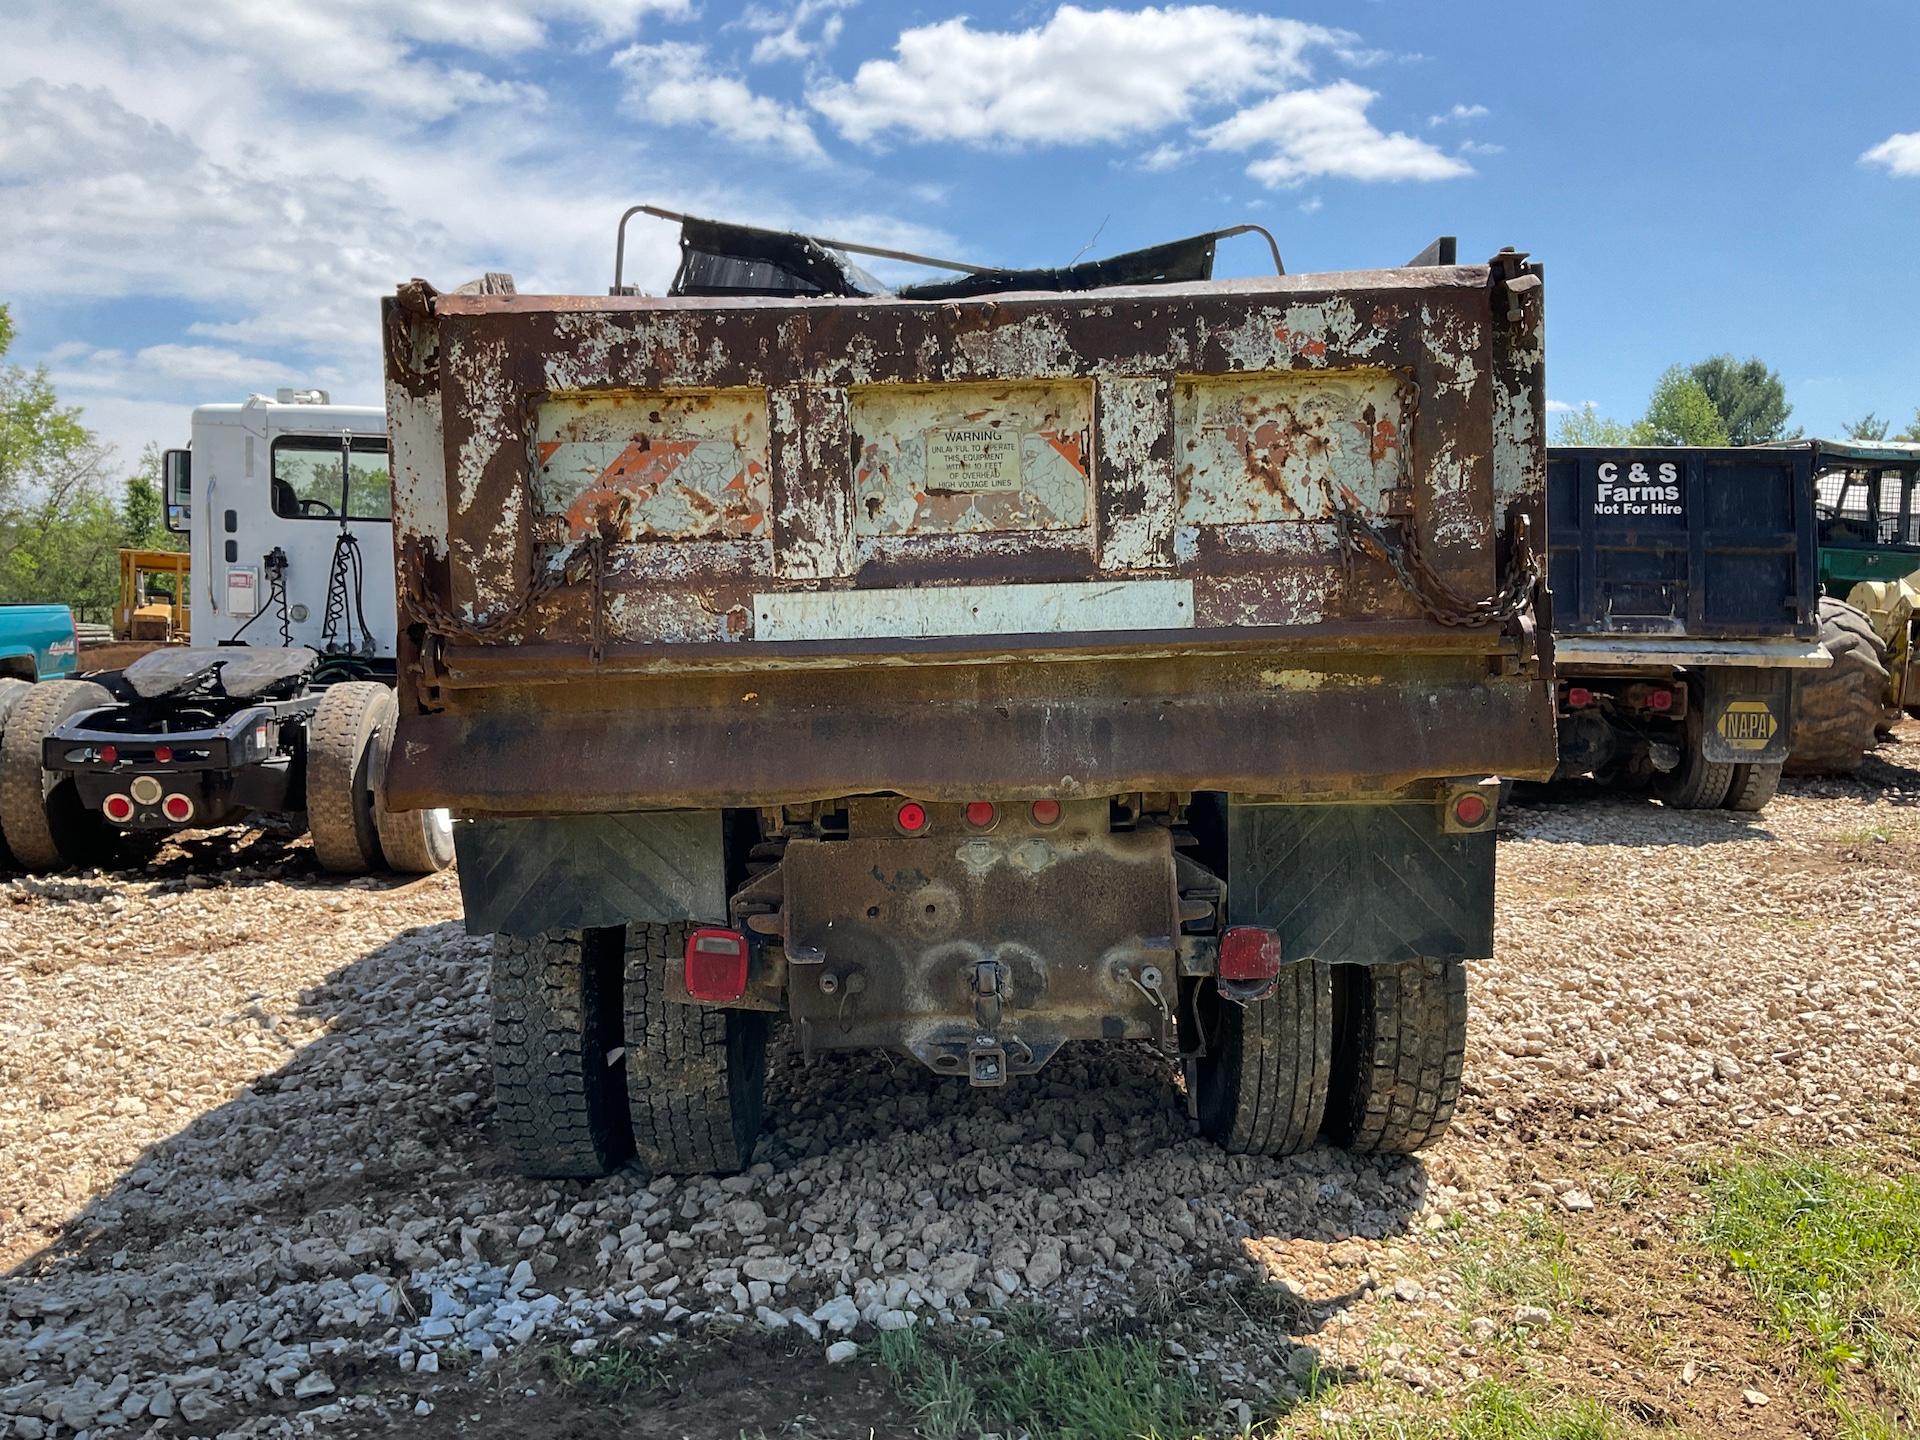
{"x": 153, "y": 596}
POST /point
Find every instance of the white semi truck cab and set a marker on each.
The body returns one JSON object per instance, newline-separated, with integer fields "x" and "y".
{"x": 284, "y": 705}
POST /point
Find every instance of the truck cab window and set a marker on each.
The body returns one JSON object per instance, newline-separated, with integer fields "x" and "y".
{"x": 306, "y": 478}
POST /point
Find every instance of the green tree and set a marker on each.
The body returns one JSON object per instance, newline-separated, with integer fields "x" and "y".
{"x": 1681, "y": 412}
{"x": 58, "y": 530}
{"x": 1912, "y": 432}
{"x": 143, "y": 514}
{"x": 1868, "y": 427}
{"x": 1751, "y": 399}
{"x": 1587, "y": 426}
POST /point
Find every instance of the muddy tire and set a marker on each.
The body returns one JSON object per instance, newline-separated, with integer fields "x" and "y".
{"x": 44, "y": 822}
{"x": 1752, "y": 787}
{"x": 560, "y": 1101}
{"x": 1261, "y": 1086}
{"x": 1696, "y": 783}
{"x": 696, "y": 1075}
{"x": 1397, "y": 1054}
{"x": 344, "y": 753}
{"x": 414, "y": 842}
{"x": 1837, "y": 711}
{"x": 11, "y": 693}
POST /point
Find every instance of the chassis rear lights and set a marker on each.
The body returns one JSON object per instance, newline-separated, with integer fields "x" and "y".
{"x": 716, "y": 969}
{"x": 1660, "y": 700}
{"x": 1578, "y": 697}
{"x": 980, "y": 814}
{"x": 1248, "y": 952}
{"x": 177, "y": 808}
{"x": 108, "y": 754}
{"x": 1470, "y": 811}
{"x": 1045, "y": 812}
{"x": 163, "y": 754}
{"x": 911, "y": 818}
{"x": 117, "y": 808}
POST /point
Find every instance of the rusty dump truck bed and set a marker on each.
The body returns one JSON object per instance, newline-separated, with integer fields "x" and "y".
{"x": 1265, "y": 536}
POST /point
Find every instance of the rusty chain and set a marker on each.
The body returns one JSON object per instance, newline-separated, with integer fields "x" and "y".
{"x": 1437, "y": 599}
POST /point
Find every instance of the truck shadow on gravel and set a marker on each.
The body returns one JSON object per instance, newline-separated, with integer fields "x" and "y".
{"x": 1586, "y": 812}
{"x": 300, "y": 1228}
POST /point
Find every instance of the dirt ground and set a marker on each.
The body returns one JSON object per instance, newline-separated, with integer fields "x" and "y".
{"x": 248, "y": 1183}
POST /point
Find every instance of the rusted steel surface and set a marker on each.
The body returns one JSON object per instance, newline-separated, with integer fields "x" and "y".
{"x": 603, "y": 507}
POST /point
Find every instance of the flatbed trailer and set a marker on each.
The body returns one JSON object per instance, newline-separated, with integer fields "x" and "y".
{"x": 966, "y": 671}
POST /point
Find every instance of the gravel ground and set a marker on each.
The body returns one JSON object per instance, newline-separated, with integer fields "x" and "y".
{"x": 249, "y": 1185}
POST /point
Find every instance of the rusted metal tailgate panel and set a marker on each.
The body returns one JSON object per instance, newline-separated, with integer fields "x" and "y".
{"x": 645, "y": 541}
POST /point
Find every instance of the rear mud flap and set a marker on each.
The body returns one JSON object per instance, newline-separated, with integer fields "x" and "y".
{"x": 1748, "y": 715}
{"x": 575, "y": 872}
{"x": 1361, "y": 884}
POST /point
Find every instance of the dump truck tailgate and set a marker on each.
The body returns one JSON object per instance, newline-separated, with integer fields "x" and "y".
{"x": 726, "y": 552}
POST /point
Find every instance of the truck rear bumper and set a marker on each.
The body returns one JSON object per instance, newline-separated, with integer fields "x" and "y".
{"x": 1575, "y": 651}
{"x": 1293, "y": 726}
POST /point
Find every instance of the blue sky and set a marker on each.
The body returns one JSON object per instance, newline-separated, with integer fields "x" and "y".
{"x": 205, "y": 199}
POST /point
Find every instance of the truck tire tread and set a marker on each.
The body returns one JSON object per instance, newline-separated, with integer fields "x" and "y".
{"x": 1263, "y": 1083}
{"x": 344, "y": 753}
{"x": 43, "y": 821}
{"x": 696, "y": 1075}
{"x": 1399, "y": 1054}
{"x": 1697, "y": 783}
{"x": 1837, "y": 711}
{"x": 560, "y": 1104}
{"x": 1752, "y": 787}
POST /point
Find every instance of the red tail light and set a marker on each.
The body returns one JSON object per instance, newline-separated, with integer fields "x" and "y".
{"x": 980, "y": 813}
{"x": 1578, "y": 697}
{"x": 177, "y": 808}
{"x": 716, "y": 966}
{"x": 1046, "y": 812}
{"x": 163, "y": 754}
{"x": 1248, "y": 952}
{"x": 1660, "y": 700}
{"x": 911, "y": 817}
{"x": 1470, "y": 810}
{"x": 117, "y": 808}
{"x": 109, "y": 754}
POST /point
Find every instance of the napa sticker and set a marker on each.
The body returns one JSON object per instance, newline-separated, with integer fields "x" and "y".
{"x": 1747, "y": 724}
{"x": 1637, "y": 489}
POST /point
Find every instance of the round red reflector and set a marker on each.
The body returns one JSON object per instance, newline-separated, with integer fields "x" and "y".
{"x": 911, "y": 817}
{"x": 1579, "y": 698}
{"x": 109, "y": 754}
{"x": 980, "y": 813}
{"x": 1046, "y": 812}
{"x": 118, "y": 808}
{"x": 163, "y": 754}
{"x": 1660, "y": 700}
{"x": 177, "y": 808}
{"x": 1469, "y": 810}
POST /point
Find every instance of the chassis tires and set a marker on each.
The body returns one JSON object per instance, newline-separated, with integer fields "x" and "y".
{"x": 1696, "y": 783}
{"x": 1838, "y": 711}
{"x": 345, "y": 749}
{"x": 1752, "y": 787}
{"x": 1397, "y": 1054}
{"x": 415, "y": 842}
{"x": 1261, "y": 1086}
{"x": 43, "y": 820}
{"x": 11, "y": 693}
{"x": 560, "y": 1102}
{"x": 696, "y": 1076}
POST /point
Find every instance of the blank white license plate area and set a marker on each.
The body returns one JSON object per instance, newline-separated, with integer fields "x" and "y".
{"x": 1064, "y": 608}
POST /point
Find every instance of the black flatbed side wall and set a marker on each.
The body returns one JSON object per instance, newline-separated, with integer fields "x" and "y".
{"x": 1699, "y": 542}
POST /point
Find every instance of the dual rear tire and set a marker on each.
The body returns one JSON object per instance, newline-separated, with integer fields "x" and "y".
{"x": 353, "y": 833}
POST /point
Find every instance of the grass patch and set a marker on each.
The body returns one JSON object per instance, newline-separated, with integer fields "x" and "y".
{"x": 1112, "y": 1388}
{"x": 613, "y": 1371}
{"x": 1833, "y": 1253}
{"x": 1866, "y": 835}
{"x": 1536, "y": 1269}
{"x": 1491, "y": 1410}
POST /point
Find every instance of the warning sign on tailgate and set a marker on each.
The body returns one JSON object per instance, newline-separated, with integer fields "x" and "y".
{"x": 973, "y": 458}
{"x": 1634, "y": 488}
{"x": 1747, "y": 724}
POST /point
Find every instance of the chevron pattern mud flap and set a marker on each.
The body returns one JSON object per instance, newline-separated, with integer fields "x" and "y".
{"x": 573, "y": 872}
{"x": 1360, "y": 884}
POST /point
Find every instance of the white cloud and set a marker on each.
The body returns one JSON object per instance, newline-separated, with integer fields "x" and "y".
{"x": 1083, "y": 76}
{"x": 783, "y": 32}
{"x": 672, "y": 84}
{"x": 1308, "y": 133}
{"x": 1555, "y": 407}
{"x": 1311, "y": 205}
{"x": 1900, "y": 154}
{"x": 1460, "y": 115}
{"x": 1163, "y": 158}
{"x": 1480, "y": 147}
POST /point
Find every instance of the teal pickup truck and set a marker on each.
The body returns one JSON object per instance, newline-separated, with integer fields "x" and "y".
{"x": 38, "y": 642}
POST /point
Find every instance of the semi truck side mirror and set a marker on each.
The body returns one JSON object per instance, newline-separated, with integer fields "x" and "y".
{"x": 176, "y": 470}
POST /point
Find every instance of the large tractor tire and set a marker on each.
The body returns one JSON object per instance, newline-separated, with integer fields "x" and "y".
{"x": 560, "y": 1102}
{"x": 43, "y": 820}
{"x": 1397, "y": 1053}
{"x": 345, "y": 750}
{"x": 1696, "y": 783}
{"x": 1260, "y": 1088}
{"x": 1837, "y": 711}
{"x": 696, "y": 1075}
